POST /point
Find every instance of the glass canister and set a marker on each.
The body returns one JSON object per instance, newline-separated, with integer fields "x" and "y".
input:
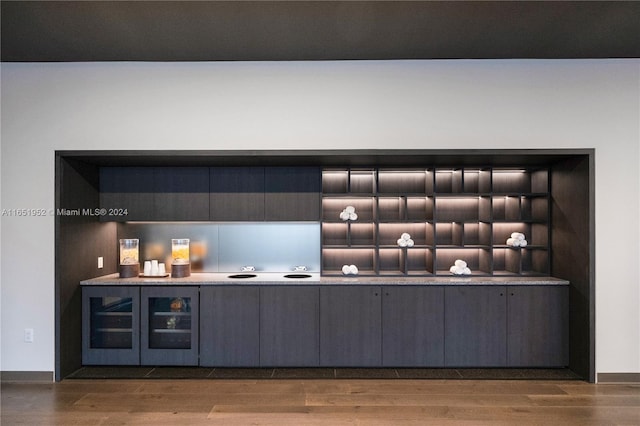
{"x": 180, "y": 251}
{"x": 180, "y": 263}
{"x": 129, "y": 258}
{"x": 129, "y": 251}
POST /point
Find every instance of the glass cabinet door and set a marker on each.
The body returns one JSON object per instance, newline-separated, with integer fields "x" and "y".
{"x": 169, "y": 322}
{"x": 110, "y": 326}
{"x": 169, "y": 325}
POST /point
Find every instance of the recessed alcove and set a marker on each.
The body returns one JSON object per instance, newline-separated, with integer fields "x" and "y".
{"x": 549, "y": 194}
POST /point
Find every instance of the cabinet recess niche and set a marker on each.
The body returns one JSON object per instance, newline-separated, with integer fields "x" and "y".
{"x": 450, "y": 213}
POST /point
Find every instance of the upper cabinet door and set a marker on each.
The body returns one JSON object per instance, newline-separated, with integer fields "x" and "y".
{"x": 292, "y": 193}
{"x": 154, "y": 193}
{"x": 218, "y": 193}
{"x": 126, "y": 193}
{"x": 181, "y": 193}
{"x": 237, "y": 193}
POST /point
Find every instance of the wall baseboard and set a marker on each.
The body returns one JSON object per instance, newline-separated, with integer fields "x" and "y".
{"x": 618, "y": 378}
{"x": 26, "y": 376}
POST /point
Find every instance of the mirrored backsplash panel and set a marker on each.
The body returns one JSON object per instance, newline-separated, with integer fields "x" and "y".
{"x": 228, "y": 247}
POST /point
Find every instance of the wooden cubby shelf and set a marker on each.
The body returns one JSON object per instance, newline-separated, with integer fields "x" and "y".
{"x": 450, "y": 212}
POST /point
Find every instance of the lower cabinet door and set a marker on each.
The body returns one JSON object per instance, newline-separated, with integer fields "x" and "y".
{"x": 169, "y": 318}
{"x": 110, "y": 325}
{"x": 538, "y": 326}
{"x": 289, "y": 326}
{"x": 350, "y": 326}
{"x": 475, "y": 326}
{"x": 230, "y": 326}
{"x": 413, "y": 326}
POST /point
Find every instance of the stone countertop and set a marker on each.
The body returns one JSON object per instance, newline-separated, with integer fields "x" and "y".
{"x": 273, "y": 278}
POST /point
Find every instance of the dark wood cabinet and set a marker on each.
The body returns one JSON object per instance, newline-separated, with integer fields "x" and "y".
{"x": 230, "y": 326}
{"x": 126, "y": 193}
{"x": 350, "y": 326}
{"x": 181, "y": 193}
{"x": 538, "y": 326}
{"x": 289, "y": 326}
{"x": 237, "y": 193}
{"x": 413, "y": 326}
{"x": 170, "y": 330}
{"x": 292, "y": 193}
{"x": 475, "y": 326}
{"x": 512, "y": 326}
{"x": 329, "y": 325}
{"x": 265, "y": 193}
{"x": 210, "y": 193}
{"x": 110, "y": 325}
{"x": 154, "y": 193}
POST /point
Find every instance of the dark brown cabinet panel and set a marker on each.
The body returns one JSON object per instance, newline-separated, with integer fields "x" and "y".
{"x": 413, "y": 326}
{"x": 154, "y": 193}
{"x": 538, "y": 326}
{"x": 475, "y": 326}
{"x": 237, "y": 193}
{"x": 209, "y": 193}
{"x": 126, "y": 193}
{"x": 265, "y": 193}
{"x": 181, "y": 193}
{"x": 230, "y": 326}
{"x": 169, "y": 318}
{"x": 350, "y": 326}
{"x": 289, "y": 326}
{"x": 292, "y": 193}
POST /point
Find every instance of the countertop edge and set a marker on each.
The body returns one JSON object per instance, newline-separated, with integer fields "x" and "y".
{"x": 221, "y": 279}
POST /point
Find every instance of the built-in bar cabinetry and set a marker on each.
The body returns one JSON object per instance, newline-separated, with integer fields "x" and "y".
{"x": 331, "y": 325}
{"x": 455, "y": 204}
{"x": 450, "y": 214}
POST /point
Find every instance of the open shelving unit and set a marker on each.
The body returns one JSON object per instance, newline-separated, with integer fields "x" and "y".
{"x": 454, "y": 213}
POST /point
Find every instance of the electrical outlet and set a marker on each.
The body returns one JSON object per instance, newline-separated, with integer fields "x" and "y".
{"x": 100, "y": 262}
{"x": 28, "y": 335}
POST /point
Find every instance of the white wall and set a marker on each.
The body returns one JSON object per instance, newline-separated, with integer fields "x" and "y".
{"x": 317, "y": 105}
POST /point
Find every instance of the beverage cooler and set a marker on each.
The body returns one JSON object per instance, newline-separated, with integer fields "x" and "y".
{"x": 170, "y": 326}
{"x": 132, "y": 325}
{"x": 110, "y": 326}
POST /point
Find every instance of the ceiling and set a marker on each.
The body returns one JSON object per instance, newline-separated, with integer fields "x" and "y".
{"x": 44, "y": 31}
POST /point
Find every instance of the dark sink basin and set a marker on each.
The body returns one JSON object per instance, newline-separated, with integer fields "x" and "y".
{"x": 242, "y": 276}
{"x": 297, "y": 276}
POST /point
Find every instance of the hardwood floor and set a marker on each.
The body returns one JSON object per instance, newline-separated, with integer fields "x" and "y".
{"x": 319, "y": 402}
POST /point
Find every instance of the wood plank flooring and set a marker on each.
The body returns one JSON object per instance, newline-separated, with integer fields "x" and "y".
{"x": 319, "y": 402}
